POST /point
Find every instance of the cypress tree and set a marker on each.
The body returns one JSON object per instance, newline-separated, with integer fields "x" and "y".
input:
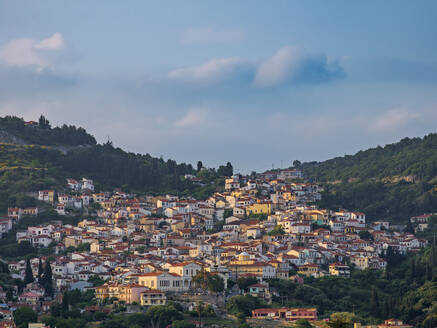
{"x": 65, "y": 304}
{"x": 413, "y": 270}
{"x": 47, "y": 279}
{"x": 428, "y": 275}
{"x": 28, "y": 277}
{"x": 374, "y": 303}
{"x": 40, "y": 269}
{"x": 386, "y": 312}
{"x": 434, "y": 252}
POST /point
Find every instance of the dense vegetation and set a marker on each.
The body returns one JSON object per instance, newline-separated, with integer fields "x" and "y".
{"x": 407, "y": 290}
{"x": 69, "y": 314}
{"x": 28, "y": 168}
{"x": 392, "y": 182}
{"x": 44, "y": 134}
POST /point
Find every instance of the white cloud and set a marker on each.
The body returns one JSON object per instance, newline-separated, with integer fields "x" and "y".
{"x": 209, "y": 34}
{"x": 28, "y": 52}
{"x": 279, "y": 67}
{"x": 194, "y": 117}
{"x": 215, "y": 70}
{"x": 393, "y": 120}
{"x": 290, "y": 64}
{"x": 287, "y": 65}
{"x": 55, "y": 42}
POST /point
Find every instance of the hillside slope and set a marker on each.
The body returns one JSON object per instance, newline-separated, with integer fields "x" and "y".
{"x": 42, "y": 163}
{"x": 392, "y": 182}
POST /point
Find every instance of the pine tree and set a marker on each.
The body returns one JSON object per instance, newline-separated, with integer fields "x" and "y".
{"x": 199, "y": 166}
{"x": 28, "y": 277}
{"x": 43, "y": 122}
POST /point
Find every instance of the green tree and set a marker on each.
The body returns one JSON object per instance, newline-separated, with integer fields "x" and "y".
{"x": 228, "y": 212}
{"x": 245, "y": 282}
{"x": 163, "y": 315}
{"x": 216, "y": 284}
{"x": 243, "y": 304}
{"x": 24, "y": 315}
{"x": 277, "y": 230}
{"x": 182, "y": 324}
{"x": 365, "y": 234}
{"x": 297, "y": 163}
{"x": 302, "y": 323}
{"x": 65, "y": 307}
{"x": 374, "y": 303}
{"x": 28, "y": 276}
{"x": 40, "y": 269}
{"x": 341, "y": 320}
{"x": 208, "y": 281}
{"x": 226, "y": 170}
{"x": 47, "y": 279}
{"x": 96, "y": 280}
{"x": 43, "y": 122}
{"x": 199, "y": 166}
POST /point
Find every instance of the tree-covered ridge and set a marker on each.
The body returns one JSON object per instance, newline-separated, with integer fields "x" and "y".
{"x": 113, "y": 167}
{"x": 27, "y": 168}
{"x": 40, "y": 164}
{"x": 416, "y": 157}
{"x": 393, "y": 182}
{"x": 41, "y": 132}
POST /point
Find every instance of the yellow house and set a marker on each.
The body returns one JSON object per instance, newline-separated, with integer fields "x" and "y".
{"x": 165, "y": 281}
{"x": 220, "y": 204}
{"x": 129, "y": 293}
{"x": 72, "y": 241}
{"x": 243, "y": 259}
{"x": 194, "y": 252}
{"x": 362, "y": 262}
{"x": 339, "y": 269}
{"x": 33, "y": 211}
{"x": 309, "y": 270}
{"x": 177, "y": 226}
{"x": 237, "y": 193}
{"x": 288, "y": 195}
{"x": 153, "y": 297}
{"x": 259, "y": 208}
{"x": 258, "y": 269}
{"x": 46, "y": 195}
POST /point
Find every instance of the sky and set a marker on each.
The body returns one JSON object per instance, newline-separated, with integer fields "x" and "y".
{"x": 256, "y": 83}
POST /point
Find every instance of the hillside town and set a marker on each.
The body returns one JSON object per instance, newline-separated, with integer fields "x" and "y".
{"x": 148, "y": 250}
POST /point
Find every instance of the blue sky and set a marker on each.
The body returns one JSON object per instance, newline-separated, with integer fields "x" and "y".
{"x": 257, "y": 83}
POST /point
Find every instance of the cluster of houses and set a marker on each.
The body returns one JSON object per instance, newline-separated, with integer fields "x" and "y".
{"x": 262, "y": 226}
{"x": 14, "y": 215}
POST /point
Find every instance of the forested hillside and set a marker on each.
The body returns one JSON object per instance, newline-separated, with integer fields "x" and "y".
{"x": 41, "y": 132}
{"x": 393, "y": 182}
{"x": 40, "y": 165}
